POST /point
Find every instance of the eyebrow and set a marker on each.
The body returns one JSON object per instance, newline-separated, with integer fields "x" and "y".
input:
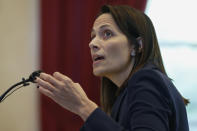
{"x": 103, "y": 26}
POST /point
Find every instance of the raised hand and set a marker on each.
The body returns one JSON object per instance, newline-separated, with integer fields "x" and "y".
{"x": 66, "y": 93}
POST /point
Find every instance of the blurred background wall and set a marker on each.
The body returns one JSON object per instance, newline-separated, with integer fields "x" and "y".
{"x": 19, "y": 53}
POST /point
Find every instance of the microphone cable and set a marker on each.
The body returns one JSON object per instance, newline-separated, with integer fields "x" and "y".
{"x": 24, "y": 81}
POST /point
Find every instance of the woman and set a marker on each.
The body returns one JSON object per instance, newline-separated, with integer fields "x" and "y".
{"x": 136, "y": 94}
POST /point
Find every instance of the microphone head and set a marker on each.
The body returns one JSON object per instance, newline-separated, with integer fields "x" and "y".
{"x": 33, "y": 76}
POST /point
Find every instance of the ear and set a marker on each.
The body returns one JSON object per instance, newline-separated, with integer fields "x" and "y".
{"x": 140, "y": 42}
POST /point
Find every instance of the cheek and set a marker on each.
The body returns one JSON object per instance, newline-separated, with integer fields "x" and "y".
{"x": 117, "y": 58}
{"x": 118, "y": 53}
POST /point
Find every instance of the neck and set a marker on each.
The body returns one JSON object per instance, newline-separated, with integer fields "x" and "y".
{"x": 118, "y": 78}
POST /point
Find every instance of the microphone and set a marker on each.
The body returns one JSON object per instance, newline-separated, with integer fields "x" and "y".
{"x": 24, "y": 81}
{"x": 33, "y": 76}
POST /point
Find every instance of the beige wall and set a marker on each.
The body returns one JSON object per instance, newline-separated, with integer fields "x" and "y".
{"x": 18, "y": 58}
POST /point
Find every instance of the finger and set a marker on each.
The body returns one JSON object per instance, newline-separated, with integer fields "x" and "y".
{"x": 62, "y": 78}
{"x": 45, "y": 84}
{"x": 46, "y": 92}
{"x": 51, "y": 79}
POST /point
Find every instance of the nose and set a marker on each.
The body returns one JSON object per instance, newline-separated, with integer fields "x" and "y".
{"x": 93, "y": 46}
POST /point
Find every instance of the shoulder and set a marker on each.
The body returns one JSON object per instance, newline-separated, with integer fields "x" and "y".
{"x": 149, "y": 74}
{"x": 149, "y": 82}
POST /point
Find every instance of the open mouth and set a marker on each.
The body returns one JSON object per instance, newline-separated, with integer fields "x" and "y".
{"x": 99, "y": 58}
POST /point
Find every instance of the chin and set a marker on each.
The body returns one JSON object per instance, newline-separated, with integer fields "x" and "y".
{"x": 98, "y": 73}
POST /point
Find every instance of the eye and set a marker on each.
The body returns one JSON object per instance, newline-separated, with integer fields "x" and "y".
{"x": 107, "y": 34}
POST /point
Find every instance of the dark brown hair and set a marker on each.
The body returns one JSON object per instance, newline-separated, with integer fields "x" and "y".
{"x": 133, "y": 24}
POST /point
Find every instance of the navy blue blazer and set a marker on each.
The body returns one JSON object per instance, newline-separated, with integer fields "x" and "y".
{"x": 150, "y": 102}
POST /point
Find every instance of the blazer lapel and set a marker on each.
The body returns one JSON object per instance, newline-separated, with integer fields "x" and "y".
{"x": 117, "y": 105}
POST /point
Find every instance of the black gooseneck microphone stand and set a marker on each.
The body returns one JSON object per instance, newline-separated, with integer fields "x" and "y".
{"x": 24, "y": 81}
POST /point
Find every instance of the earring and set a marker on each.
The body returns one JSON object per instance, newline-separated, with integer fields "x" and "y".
{"x": 133, "y": 53}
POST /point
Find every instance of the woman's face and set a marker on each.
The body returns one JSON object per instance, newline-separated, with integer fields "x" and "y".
{"x": 109, "y": 47}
